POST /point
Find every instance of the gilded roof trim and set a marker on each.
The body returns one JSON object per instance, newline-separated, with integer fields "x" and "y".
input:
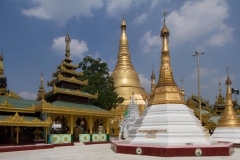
{"x": 64, "y": 69}
{"x": 7, "y": 107}
{"x": 17, "y": 120}
{"x": 67, "y": 91}
{"x": 62, "y": 78}
{"x": 68, "y": 65}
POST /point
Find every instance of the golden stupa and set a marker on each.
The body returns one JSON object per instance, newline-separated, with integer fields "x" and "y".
{"x": 166, "y": 91}
{"x": 229, "y": 117}
{"x": 126, "y": 80}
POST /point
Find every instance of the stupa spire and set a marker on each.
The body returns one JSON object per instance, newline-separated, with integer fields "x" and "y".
{"x": 124, "y": 61}
{"x": 41, "y": 90}
{"x": 166, "y": 90}
{"x": 3, "y": 80}
{"x": 182, "y": 88}
{"x": 153, "y": 77}
{"x": 229, "y": 117}
{"x": 1, "y": 66}
{"x": 219, "y": 98}
{"x": 67, "y": 50}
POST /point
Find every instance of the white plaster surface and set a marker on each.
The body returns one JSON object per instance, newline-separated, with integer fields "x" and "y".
{"x": 95, "y": 152}
{"x": 175, "y": 124}
{"x": 229, "y": 134}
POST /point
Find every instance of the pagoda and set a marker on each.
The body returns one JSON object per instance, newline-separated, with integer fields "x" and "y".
{"x": 126, "y": 80}
{"x": 66, "y": 85}
{"x": 168, "y": 127}
{"x": 228, "y": 125}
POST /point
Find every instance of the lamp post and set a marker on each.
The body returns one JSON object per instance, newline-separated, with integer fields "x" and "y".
{"x": 199, "y": 89}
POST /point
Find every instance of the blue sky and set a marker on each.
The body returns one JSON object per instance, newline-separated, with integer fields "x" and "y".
{"x": 32, "y": 37}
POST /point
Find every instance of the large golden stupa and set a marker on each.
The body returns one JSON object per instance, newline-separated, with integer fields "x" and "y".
{"x": 125, "y": 77}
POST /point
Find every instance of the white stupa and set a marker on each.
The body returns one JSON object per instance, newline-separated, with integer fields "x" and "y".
{"x": 130, "y": 119}
{"x": 228, "y": 125}
{"x": 168, "y": 121}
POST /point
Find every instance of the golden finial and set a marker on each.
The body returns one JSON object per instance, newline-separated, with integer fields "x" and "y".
{"x": 182, "y": 80}
{"x": 164, "y": 14}
{"x": 67, "y": 28}
{"x": 1, "y": 54}
{"x": 227, "y": 70}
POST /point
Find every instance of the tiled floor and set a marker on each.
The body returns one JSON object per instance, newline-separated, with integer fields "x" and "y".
{"x": 93, "y": 152}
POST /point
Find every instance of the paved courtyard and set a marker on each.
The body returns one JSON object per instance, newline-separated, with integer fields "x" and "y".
{"x": 94, "y": 152}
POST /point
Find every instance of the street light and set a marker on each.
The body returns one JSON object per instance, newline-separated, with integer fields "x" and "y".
{"x": 199, "y": 89}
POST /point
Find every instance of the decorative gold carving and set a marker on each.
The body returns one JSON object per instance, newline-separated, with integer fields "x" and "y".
{"x": 11, "y": 94}
{"x": 62, "y": 78}
{"x": 159, "y": 130}
{"x": 37, "y": 133}
{"x": 6, "y": 106}
{"x": 152, "y": 133}
{"x": 67, "y": 91}
{"x": 64, "y": 69}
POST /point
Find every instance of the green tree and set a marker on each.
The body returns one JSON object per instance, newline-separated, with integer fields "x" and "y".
{"x": 100, "y": 82}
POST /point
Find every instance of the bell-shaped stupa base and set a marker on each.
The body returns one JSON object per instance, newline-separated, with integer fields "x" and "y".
{"x": 170, "y": 130}
{"x": 227, "y": 134}
{"x": 169, "y": 124}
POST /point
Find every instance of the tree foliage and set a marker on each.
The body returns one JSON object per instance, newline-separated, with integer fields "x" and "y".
{"x": 100, "y": 82}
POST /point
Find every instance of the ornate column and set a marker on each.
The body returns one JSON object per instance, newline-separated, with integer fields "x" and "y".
{"x": 71, "y": 123}
{"x": 107, "y": 125}
{"x": 17, "y": 140}
{"x": 47, "y": 130}
{"x": 11, "y": 133}
{"x": 91, "y": 123}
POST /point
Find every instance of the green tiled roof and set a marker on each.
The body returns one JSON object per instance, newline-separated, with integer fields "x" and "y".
{"x": 77, "y": 106}
{"x": 214, "y": 119}
{"x": 19, "y": 103}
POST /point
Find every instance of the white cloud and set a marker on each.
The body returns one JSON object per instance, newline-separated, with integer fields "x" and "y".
{"x": 27, "y": 95}
{"x": 196, "y": 20}
{"x": 95, "y": 55}
{"x": 150, "y": 42}
{"x": 116, "y": 7}
{"x": 145, "y": 82}
{"x": 76, "y": 48}
{"x": 62, "y": 10}
{"x": 154, "y": 3}
{"x": 140, "y": 19}
{"x": 203, "y": 72}
{"x": 200, "y": 19}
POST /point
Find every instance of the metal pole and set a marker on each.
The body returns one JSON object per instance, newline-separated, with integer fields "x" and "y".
{"x": 199, "y": 90}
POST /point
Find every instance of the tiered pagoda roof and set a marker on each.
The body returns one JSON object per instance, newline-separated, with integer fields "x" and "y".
{"x": 65, "y": 82}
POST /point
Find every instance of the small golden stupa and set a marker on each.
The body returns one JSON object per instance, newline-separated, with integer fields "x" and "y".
{"x": 166, "y": 91}
{"x": 229, "y": 117}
